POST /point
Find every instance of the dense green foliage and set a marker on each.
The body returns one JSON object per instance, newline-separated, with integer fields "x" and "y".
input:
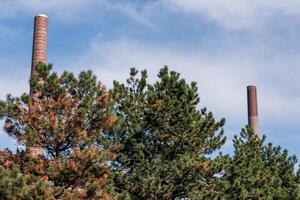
{"x": 260, "y": 171}
{"x": 14, "y": 185}
{"x": 165, "y": 139}
{"x": 137, "y": 141}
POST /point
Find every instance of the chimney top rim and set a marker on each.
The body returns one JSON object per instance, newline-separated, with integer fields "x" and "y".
{"x": 41, "y": 15}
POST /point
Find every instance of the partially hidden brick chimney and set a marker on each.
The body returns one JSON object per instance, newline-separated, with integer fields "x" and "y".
{"x": 39, "y": 54}
{"x": 252, "y": 109}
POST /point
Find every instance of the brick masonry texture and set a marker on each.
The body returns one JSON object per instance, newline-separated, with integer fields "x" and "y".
{"x": 39, "y": 50}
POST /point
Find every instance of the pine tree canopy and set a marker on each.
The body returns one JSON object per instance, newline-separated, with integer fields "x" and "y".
{"x": 165, "y": 139}
{"x": 15, "y": 186}
{"x": 137, "y": 141}
{"x": 260, "y": 171}
{"x": 68, "y": 118}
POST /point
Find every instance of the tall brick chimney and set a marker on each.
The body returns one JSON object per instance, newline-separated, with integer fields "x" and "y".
{"x": 39, "y": 54}
{"x": 252, "y": 109}
{"x": 39, "y": 49}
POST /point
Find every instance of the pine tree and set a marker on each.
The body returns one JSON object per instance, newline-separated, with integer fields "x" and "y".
{"x": 165, "y": 141}
{"x": 138, "y": 141}
{"x": 259, "y": 171}
{"x": 68, "y": 118}
{"x": 15, "y": 186}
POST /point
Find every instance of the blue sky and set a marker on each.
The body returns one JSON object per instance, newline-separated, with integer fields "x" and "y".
{"x": 223, "y": 45}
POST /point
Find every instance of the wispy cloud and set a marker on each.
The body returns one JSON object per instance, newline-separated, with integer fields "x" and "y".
{"x": 74, "y": 11}
{"x": 241, "y": 42}
{"x": 222, "y": 79}
{"x": 232, "y": 14}
{"x": 65, "y": 10}
{"x": 141, "y": 15}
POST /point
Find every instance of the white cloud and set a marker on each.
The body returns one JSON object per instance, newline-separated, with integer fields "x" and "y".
{"x": 231, "y": 14}
{"x": 222, "y": 79}
{"x": 65, "y": 10}
{"x": 73, "y": 11}
{"x": 238, "y": 14}
{"x": 141, "y": 16}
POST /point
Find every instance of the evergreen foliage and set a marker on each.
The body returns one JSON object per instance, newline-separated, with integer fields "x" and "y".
{"x": 165, "y": 139}
{"x": 14, "y": 185}
{"x": 68, "y": 118}
{"x": 260, "y": 171}
{"x": 138, "y": 141}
